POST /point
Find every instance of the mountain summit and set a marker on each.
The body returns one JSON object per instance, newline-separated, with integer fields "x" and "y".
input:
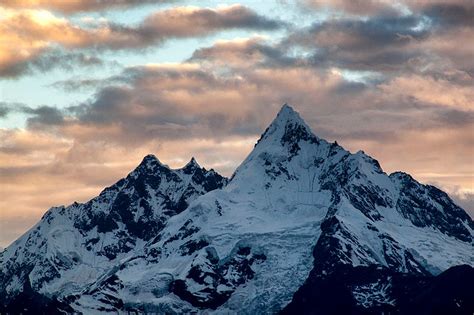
{"x": 303, "y": 226}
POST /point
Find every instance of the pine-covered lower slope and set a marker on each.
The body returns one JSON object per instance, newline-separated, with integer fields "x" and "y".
{"x": 302, "y": 226}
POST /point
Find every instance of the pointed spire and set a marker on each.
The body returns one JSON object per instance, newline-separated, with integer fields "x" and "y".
{"x": 286, "y": 109}
{"x": 288, "y": 113}
{"x": 287, "y": 117}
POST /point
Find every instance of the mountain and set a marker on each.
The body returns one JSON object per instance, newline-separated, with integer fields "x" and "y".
{"x": 71, "y": 247}
{"x": 302, "y": 227}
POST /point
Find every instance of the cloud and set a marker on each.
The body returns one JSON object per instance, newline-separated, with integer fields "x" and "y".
{"x": 5, "y": 109}
{"x": 380, "y": 43}
{"x": 451, "y": 13}
{"x": 41, "y": 115}
{"x": 419, "y": 38}
{"x": 31, "y": 39}
{"x": 356, "y": 7}
{"x": 137, "y": 111}
{"x": 193, "y": 21}
{"x": 42, "y": 28}
{"x": 68, "y": 6}
{"x": 44, "y": 115}
{"x": 430, "y": 90}
{"x": 77, "y": 84}
{"x": 440, "y": 12}
{"x": 245, "y": 52}
{"x": 226, "y": 89}
{"x": 51, "y": 59}
{"x": 181, "y": 22}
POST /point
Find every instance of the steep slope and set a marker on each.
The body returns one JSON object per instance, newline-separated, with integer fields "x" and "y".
{"x": 72, "y": 246}
{"x": 297, "y": 216}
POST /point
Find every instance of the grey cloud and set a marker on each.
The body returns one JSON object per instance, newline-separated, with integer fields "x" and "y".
{"x": 4, "y": 112}
{"x": 77, "y": 84}
{"x": 390, "y": 44}
{"x": 375, "y": 32}
{"x": 5, "y": 109}
{"x": 454, "y": 118}
{"x": 11, "y": 107}
{"x": 253, "y": 50}
{"x": 380, "y": 43}
{"x": 109, "y": 103}
{"x": 37, "y": 116}
{"x": 356, "y": 7}
{"x": 183, "y": 22}
{"x": 377, "y": 40}
{"x": 446, "y": 14}
{"x": 44, "y": 115}
{"x": 121, "y": 105}
{"x": 50, "y": 60}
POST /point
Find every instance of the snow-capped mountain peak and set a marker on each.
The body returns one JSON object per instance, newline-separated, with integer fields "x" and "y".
{"x": 299, "y": 217}
{"x": 287, "y": 127}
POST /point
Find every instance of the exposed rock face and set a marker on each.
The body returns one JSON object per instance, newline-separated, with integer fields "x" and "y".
{"x": 303, "y": 226}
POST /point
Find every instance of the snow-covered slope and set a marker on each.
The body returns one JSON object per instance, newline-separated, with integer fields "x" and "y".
{"x": 297, "y": 211}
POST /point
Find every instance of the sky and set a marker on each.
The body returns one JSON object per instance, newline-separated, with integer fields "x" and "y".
{"x": 88, "y": 88}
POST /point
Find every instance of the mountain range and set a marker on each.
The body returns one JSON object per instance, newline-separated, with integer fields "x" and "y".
{"x": 302, "y": 227}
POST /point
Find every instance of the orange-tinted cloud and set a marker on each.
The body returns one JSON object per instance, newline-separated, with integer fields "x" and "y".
{"x": 31, "y": 38}
{"x": 27, "y": 35}
{"x": 73, "y": 6}
{"x": 427, "y": 89}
